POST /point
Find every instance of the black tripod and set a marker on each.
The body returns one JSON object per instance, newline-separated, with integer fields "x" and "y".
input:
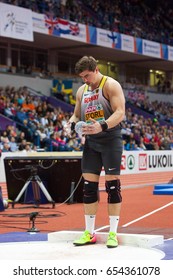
{"x": 36, "y": 182}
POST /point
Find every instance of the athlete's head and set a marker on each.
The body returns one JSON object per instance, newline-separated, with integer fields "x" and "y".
{"x": 87, "y": 69}
{"x": 85, "y": 63}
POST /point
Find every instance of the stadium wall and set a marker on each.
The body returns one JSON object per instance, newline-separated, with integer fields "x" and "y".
{"x": 44, "y": 86}
{"x": 41, "y": 85}
{"x": 138, "y": 162}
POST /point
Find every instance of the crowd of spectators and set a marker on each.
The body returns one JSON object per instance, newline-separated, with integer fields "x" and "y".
{"x": 40, "y": 126}
{"x": 152, "y": 20}
{"x": 140, "y": 133}
{"x": 163, "y": 111}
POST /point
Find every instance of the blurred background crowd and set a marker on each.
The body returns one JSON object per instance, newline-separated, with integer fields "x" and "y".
{"x": 153, "y": 19}
{"x": 39, "y": 126}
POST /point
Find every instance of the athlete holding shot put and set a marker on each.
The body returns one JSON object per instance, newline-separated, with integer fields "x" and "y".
{"x": 100, "y": 103}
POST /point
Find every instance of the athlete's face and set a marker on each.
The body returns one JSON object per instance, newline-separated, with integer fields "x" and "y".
{"x": 89, "y": 77}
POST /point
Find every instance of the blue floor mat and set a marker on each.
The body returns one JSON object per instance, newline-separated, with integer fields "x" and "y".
{"x": 23, "y": 237}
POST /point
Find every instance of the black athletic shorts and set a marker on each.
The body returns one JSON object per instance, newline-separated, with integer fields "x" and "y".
{"x": 104, "y": 151}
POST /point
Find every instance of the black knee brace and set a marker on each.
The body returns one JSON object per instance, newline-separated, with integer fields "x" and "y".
{"x": 90, "y": 192}
{"x": 113, "y": 189}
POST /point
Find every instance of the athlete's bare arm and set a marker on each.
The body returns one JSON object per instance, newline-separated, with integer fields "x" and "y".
{"x": 77, "y": 110}
{"x": 113, "y": 91}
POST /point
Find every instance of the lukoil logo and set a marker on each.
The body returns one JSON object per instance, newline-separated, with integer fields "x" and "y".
{"x": 142, "y": 161}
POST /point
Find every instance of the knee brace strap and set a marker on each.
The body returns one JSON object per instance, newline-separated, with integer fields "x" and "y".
{"x": 90, "y": 192}
{"x": 113, "y": 189}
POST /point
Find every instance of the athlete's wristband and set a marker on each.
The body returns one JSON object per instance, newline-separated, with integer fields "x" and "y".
{"x": 73, "y": 126}
{"x": 104, "y": 125}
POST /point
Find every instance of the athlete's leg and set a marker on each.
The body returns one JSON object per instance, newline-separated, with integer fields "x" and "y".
{"x": 91, "y": 168}
{"x": 112, "y": 164}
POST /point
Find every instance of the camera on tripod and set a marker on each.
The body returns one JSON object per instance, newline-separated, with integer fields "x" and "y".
{"x": 32, "y": 167}
{"x": 36, "y": 183}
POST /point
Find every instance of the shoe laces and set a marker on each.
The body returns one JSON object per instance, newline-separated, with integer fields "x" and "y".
{"x": 112, "y": 235}
{"x": 86, "y": 233}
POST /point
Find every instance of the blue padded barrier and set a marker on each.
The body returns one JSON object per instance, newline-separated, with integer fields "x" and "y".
{"x": 163, "y": 189}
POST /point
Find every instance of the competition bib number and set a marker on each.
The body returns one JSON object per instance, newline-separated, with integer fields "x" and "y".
{"x": 95, "y": 112}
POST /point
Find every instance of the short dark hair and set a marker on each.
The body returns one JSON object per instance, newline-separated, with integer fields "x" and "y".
{"x": 85, "y": 63}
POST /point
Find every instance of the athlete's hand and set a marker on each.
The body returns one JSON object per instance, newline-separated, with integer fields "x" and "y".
{"x": 92, "y": 128}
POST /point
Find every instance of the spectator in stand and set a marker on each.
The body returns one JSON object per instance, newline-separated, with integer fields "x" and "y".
{"x": 157, "y": 137}
{"x": 6, "y": 147}
{"x": 154, "y": 145}
{"x": 74, "y": 143}
{"x": 43, "y": 137}
{"x": 4, "y": 137}
{"x": 11, "y": 131}
{"x": 22, "y": 145}
{"x": 131, "y": 145}
{"x": 45, "y": 119}
{"x": 137, "y": 136}
{"x": 9, "y": 110}
{"x": 58, "y": 125}
{"x": 25, "y": 126}
{"x": 19, "y": 99}
{"x": 141, "y": 144}
{"x": 45, "y": 108}
{"x": 165, "y": 144}
{"x": 20, "y": 137}
{"x": 21, "y": 115}
{"x": 52, "y": 143}
{"x": 28, "y": 105}
{"x": 61, "y": 140}
{"x": 13, "y": 145}
{"x": 126, "y": 131}
{"x": 28, "y": 148}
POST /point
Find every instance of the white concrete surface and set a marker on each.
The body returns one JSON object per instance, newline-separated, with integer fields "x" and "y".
{"x": 60, "y": 247}
{"x": 140, "y": 240}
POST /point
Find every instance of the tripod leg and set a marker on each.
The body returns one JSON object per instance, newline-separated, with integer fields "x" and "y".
{"x": 20, "y": 193}
{"x": 47, "y": 195}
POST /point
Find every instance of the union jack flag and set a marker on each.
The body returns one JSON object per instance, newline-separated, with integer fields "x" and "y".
{"x": 74, "y": 29}
{"x": 51, "y": 23}
{"x": 63, "y": 26}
